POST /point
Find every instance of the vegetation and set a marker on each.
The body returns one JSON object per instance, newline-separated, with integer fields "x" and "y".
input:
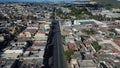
{"x": 113, "y": 30}
{"x": 78, "y": 13}
{"x": 108, "y": 6}
{"x": 58, "y": 12}
{"x": 68, "y": 54}
{"x": 109, "y": 3}
{"x": 96, "y": 45}
{"x": 63, "y": 40}
{"x": 88, "y": 31}
{"x": 118, "y": 18}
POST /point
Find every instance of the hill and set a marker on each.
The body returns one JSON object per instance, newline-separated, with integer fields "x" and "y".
{"x": 109, "y": 3}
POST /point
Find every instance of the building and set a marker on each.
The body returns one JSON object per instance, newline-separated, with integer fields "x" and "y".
{"x": 83, "y": 64}
{"x": 40, "y": 36}
{"x": 1, "y": 38}
{"x": 8, "y": 63}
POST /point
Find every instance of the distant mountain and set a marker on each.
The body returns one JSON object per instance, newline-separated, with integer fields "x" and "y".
{"x": 107, "y": 1}
{"x": 113, "y": 3}
{"x": 33, "y": 0}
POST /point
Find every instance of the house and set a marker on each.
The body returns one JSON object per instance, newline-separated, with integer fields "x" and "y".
{"x": 14, "y": 51}
{"x": 86, "y": 64}
{"x": 83, "y": 64}
{"x": 40, "y": 36}
{"x": 1, "y": 38}
{"x": 72, "y": 45}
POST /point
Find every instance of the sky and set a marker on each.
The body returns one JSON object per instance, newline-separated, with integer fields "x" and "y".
{"x": 32, "y": 0}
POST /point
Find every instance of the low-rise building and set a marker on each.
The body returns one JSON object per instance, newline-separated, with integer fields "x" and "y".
{"x": 83, "y": 64}
{"x": 40, "y": 36}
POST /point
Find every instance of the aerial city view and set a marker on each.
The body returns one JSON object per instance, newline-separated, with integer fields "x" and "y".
{"x": 59, "y": 33}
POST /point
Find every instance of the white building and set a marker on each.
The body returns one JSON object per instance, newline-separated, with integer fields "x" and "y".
{"x": 14, "y": 51}
{"x": 118, "y": 30}
{"x": 1, "y": 38}
{"x": 40, "y": 36}
{"x": 47, "y": 27}
{"x": 89, "y": 22}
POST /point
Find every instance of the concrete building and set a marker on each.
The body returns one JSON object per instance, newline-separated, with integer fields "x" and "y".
{"x": 83, "y": 64}
{"x": 1, "y": 38}
{"x": 86, "y": 64}
{"x": 40, "y": 36}
{"x": 14, "y": 51}
{"x": 8, "y": 63}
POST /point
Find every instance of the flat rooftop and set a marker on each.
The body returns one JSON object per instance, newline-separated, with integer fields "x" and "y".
{"x": 6, "y": 63}
{"x": 86, "y": 64}
{"x": 85, "y": 22}
{"x": 10, "y": 55}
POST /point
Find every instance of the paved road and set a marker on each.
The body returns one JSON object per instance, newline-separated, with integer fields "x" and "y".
{"x": 54, "y": 56}
{"x": 58, "y": 57}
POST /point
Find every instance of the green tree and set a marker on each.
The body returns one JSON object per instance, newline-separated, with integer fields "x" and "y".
{"x": 113, "y": 30}
{"x": 68, "y": 54}
{"x": 96, "y": 45}
{"x": 63, "y": 40}
{"x": 59, "y": 12}
{"x": 89, "y": 31}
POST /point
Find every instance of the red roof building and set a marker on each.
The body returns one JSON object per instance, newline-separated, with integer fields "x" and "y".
{"x": 72, "y": 46}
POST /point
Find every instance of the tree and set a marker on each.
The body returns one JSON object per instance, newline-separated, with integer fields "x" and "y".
{"x": 113, "y": 30}
{"x": 68, "y": 54}
{"x": 89, "y": 31}
{"x": 58, "y": 12}
{"x": 96, "y": 45}
{"x": 63, "y": 40}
